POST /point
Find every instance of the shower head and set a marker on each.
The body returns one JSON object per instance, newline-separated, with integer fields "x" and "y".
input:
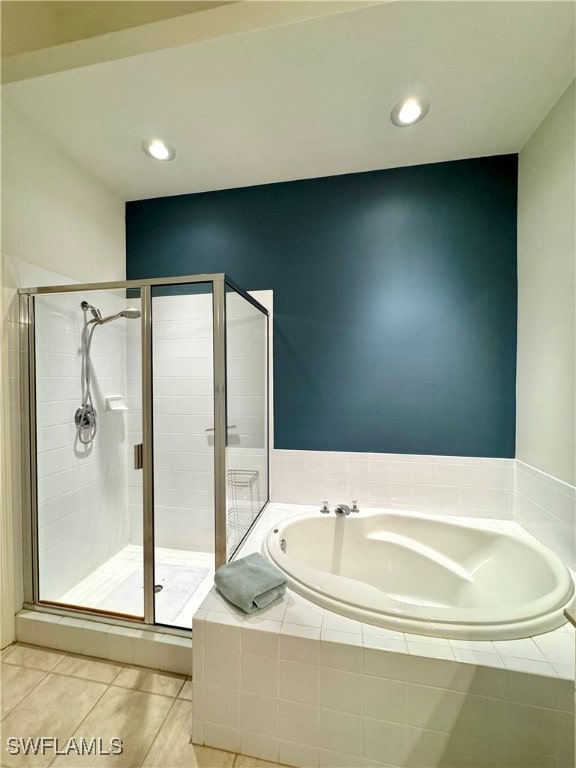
{"x": 131, "y": 313}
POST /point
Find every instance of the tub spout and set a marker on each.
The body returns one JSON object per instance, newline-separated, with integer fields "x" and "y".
{"x": 342, "y": 509}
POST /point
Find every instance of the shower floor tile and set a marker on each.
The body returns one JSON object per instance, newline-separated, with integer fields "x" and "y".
{"x": 186, "y": 578}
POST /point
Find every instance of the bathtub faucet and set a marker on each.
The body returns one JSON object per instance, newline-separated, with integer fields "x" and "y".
{"x": 342, "y": 509}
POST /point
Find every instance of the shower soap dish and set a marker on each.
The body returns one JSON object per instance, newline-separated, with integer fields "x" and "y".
{"x": 115, "y": 403}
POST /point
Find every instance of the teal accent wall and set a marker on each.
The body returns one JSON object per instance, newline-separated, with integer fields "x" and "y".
{"x": 395, "y": 299}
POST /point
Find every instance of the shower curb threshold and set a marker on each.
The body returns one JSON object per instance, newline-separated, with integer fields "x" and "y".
{"x": 151, "y": 647}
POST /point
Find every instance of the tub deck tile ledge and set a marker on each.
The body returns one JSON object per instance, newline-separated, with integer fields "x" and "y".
{"x": 328, "y": 683}
{"x": 376, "y": 691}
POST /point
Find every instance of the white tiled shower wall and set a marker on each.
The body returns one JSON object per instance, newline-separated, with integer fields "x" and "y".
{"x": 505, "y": 489}
{"x": 82, "y": 493}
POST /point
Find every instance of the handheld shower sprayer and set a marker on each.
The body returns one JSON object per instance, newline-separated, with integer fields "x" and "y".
{"x": 86, "y": 418}
{"x": 130, "y": 313}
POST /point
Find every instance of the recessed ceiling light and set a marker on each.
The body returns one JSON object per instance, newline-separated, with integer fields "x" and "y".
{"x": 409, "y": 111}
{"x": 157, "y": 149}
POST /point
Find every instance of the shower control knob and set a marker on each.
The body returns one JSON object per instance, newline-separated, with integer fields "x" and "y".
{"x": 85, "y": 417}
{"x": 354, "y": 506}
{"x": 325, "y": 509}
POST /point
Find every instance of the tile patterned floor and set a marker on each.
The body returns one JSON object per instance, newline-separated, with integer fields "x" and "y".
{"x": 49, "y": 693}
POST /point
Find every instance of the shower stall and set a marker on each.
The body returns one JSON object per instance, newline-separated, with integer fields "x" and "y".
{"x": 146, "y": 449}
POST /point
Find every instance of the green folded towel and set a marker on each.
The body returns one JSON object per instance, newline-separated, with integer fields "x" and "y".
{"x": 250, "y": 583}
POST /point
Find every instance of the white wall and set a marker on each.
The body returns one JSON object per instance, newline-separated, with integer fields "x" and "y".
{"x": 54, "y": 213}
{"x": 7, "y": 384}
{"x": 545, "y": 390}
{"x": 59, "y": 225}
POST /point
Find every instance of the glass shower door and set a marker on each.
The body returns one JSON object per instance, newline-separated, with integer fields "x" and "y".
{"x": 88, "y": 418}
{"x": 183, "y": 418}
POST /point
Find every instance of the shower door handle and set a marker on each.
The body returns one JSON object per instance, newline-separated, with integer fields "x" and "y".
{"x": 139, "y": 456}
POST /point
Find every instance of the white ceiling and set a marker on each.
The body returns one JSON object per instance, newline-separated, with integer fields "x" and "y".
{"x": 313, "y": 98}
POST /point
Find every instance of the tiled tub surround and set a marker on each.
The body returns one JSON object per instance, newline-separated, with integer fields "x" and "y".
{"x": 302, "y": 685}
{"x": 474, "y": 487}
{"x": 546, "y": 507}
{"x": 505, "y": 489}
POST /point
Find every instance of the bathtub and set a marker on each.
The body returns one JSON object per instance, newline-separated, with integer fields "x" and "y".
{"x": 423, "y": 574}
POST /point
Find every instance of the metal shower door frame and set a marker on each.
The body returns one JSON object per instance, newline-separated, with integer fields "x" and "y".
{"x": 219, "y": 282}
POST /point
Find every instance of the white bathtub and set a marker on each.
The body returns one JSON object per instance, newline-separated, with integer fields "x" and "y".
{"x": 423, "y": 574}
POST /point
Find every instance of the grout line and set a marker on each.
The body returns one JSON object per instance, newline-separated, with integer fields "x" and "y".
{"x": 84, "y": 657}
{"x": 29, "y": 692}
{"x": 86, "y": 715}
{"x": 111, "y": 683}
{"x": 36, "y": 669}
{"x": 158, "y": 732}
{"x": 84, "y": 677}
{"x": 84, "y": 718}
{"x": 141, "y": 690}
